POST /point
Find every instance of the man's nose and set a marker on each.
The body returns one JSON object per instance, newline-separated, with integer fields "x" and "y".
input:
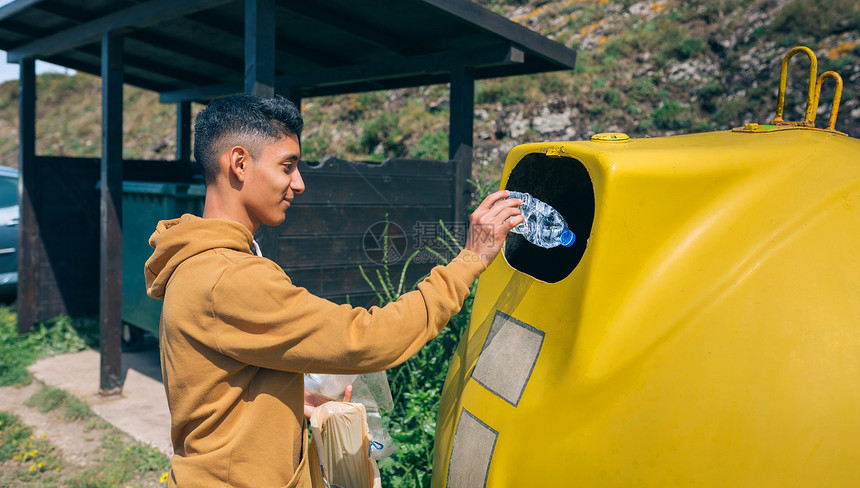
{"x": 297, "y": 184}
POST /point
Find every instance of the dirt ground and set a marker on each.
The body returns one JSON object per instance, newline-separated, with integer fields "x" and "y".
{"x": 138, "y": 415}
{"x": 76, "y": 442}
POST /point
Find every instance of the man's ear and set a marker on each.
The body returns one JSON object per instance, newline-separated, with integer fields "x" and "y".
{"x": 239, "y": 159}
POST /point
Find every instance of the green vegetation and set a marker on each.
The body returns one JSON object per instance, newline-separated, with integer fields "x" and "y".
{"x": 69, "y": 120}
{"x": 34, "y": 460}
{"x": 672, "y": 116}
{"x": 811, "y": 17}
{"x": 370, "y": 127}
{"x": 416, "y": 387}
{"x": 19, "y": 351}
{"x": 123, "y": 463}
{"x": 35, "y": 457}
{"x": 49, "y": 398}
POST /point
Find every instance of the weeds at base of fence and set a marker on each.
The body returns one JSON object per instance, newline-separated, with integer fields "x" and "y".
{"x": 416, "y": 385}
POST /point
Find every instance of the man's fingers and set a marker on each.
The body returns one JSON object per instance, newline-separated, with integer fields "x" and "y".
{"x": 491, "y": 215}
{"x": 347, "y": 395}
{"x": 492, "y": 198}
{"x": 503, "y": 208}
{"x": 312, "y": 401}
{"x": 500, "y": 216}
{"x": 515, "y": 220}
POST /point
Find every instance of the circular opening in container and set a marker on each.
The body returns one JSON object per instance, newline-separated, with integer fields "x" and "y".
{"x": 563, "y": 183}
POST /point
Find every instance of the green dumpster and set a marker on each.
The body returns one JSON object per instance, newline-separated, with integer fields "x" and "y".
{"x": 143, "y": 205}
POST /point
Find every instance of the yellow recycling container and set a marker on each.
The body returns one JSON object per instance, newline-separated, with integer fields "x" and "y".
{"x": 703, "y": 330}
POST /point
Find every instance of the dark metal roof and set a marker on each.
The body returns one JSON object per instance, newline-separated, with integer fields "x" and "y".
{"x": 194, "y": 49}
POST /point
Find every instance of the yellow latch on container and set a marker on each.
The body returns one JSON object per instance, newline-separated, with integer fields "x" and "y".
{"x": 610, "y": 137}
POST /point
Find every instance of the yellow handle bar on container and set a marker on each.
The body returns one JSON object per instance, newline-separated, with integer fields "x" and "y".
{"x": 837, "y": 97}
{"x": 813, "y": 93}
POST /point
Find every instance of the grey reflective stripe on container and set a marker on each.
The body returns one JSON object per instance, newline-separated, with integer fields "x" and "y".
{"x": 508, "y": 357}
{"x": 471, "y": 452}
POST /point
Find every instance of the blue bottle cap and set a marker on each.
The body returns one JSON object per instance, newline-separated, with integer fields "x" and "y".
{"x": 567, "y": 238}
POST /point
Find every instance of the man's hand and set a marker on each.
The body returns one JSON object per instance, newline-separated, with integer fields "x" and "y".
{"x": 313, "y": 401}
{"x": 491, "y": 222}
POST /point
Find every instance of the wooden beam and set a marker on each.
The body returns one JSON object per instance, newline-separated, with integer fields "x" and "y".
{"x": 13, "y": 8}
{"x": 306, "y": 51}
{"x": 84, "y": 67}
{"x": 203, "y": 93}
{"x": 214, "y": 57}
{"x": 110, "y": 282}
{"x": 95, "y": 54}
{"x": 460, "y": 138}
{"x": 531, "y": 41}
{"x": 438, "y": 63}
{"x": 434, "y": 67}
{"x": 260, "y": 48}
{"x": 183, "y": 131}
{"x": 360, "y": 30}
{"x": 153, "y": 65}
{"x": 138, "y": 16}
{"x": 28, "y": 228}
{"x": 163, "y": 41}
{"x": 19, "y": 29}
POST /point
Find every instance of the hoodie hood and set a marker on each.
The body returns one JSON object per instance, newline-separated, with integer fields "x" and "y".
{"x": 176, "y": 240}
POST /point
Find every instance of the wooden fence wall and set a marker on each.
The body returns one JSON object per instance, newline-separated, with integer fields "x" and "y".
{"x": 334, "y": 226}
{"x": 66, "y": 257}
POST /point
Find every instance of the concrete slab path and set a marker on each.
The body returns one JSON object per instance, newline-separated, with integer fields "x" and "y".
{"x": 140, "y": 411}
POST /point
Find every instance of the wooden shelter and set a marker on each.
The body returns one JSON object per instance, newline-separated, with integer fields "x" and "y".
{"x": 189, "y": 50}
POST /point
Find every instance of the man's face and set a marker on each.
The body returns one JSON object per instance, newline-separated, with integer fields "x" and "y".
{"x": 272, "y": 180}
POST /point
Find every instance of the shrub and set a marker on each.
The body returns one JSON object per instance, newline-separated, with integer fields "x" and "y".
{"x": 381, "y": 129}
{"x": 431, "y": 145}
{"x": 49, "y": 398}
{"x": 812, "y": 17}
{"x": 17, "y": 351}
{"x": 671, "y": 116}
{"x": 416, "y": 385}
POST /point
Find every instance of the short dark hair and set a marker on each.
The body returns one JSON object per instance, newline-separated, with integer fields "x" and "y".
{"x": 242, "y": 120}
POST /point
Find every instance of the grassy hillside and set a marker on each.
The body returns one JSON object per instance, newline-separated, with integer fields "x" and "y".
{"x": 646, "y": 68}
{"x": 69, "y": 120}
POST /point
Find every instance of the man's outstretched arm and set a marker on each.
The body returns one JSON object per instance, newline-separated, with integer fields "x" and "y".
{"x": 281, "y": 326}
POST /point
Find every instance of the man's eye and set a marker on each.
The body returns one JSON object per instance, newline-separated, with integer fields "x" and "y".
{"x": 288, "y": 167}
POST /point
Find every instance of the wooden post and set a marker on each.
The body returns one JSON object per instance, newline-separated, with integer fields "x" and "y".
{"x": 28, "y": 228}
{"x": 110, "y": 281}
{"x": 460, "y": 139}
{"x": 260, "y": 48}
{"x": 260, "y": 81}
{"x": 183, "y": 131}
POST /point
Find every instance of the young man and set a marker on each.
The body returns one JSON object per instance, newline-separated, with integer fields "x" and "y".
{"x": 236, "y": 335}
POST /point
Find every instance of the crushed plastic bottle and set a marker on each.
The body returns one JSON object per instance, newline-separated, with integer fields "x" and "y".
{"x": 543, "y": 225}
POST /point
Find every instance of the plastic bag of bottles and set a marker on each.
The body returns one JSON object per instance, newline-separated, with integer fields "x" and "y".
{"x": 341, "y": 439}
{"x": 372, "y": 391}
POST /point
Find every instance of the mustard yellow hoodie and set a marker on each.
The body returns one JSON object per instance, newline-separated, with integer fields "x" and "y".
{"x": 236, "y": 336}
